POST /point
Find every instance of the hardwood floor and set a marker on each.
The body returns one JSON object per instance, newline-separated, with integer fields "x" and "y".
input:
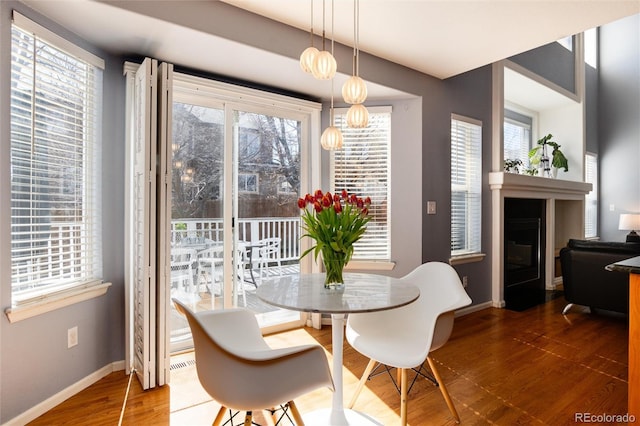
{"x": 501, "y": 367}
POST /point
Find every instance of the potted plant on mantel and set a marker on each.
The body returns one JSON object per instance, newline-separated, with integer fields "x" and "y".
{"x": 538, "y": 156}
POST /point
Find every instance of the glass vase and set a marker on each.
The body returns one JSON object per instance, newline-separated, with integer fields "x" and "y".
{"x": 333, "y": 268}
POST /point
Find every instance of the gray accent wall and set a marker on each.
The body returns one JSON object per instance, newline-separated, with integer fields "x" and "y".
{"x": 551, "y": 61}
{"x": 619, "y": 124}
{"x": 591, "y": 109}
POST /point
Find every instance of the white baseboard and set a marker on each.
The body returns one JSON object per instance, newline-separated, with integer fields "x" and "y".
{"x": 46, "y": 405}
{"x": 473, "y": 308}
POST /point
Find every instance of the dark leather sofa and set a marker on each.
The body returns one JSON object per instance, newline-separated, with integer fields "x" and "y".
{"x": 587, "y": 282}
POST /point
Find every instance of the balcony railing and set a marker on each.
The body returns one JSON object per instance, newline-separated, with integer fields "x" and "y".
{"x": 250, "y": 229}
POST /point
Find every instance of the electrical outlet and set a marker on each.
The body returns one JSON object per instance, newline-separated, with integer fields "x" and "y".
{"x": 431, "y": 207}
{"x": 464, "y": 281}
{"x": 72, "y": 337}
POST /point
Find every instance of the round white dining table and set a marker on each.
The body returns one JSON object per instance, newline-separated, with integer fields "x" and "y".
{"x": 361, "y": 293}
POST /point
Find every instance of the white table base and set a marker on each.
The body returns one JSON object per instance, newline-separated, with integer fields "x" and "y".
{"x": 337, "y": 415}
{"x": 326, "y": 417}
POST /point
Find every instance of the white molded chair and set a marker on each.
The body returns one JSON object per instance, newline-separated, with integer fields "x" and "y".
{"x": 404, "y": 337}
{"x": 241, "y": 372}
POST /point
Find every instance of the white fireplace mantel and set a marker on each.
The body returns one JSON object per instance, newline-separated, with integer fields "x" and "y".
{"x": 564, "y": 218}
{"x": 537, "y": 187}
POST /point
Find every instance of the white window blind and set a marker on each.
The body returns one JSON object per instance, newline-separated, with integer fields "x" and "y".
{"x": 55, "y": 157}
{"x": 591, "y": 199}
{"x": 466, "y": 185}
{"x": 362, "y": 167}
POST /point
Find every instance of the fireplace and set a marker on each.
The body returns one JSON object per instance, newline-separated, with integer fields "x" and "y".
{"x": 558, "y": 203}
{"x": 524, "y": 248}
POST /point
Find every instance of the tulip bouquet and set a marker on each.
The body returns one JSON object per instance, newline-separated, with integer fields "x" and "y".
{"x": 335, "y": 222}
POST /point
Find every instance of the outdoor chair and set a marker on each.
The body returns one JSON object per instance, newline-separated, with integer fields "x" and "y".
{"x": 268, "y": 253}
{"x": 183, "y": 263}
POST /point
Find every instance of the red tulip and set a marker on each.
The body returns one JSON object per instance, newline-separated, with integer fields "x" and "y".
{"x": 365, "y": 211}
{"x": 318, "y": 194}
{"x": 367, "y": 201}
{"x": 345, "y": 194}
{"x": 302, "y": 203}
{"x": 353, "y": 199}
{"x": 309, "y": 198}
{"x": 336, "y": 198}
{"x": 337, "y": 206}
{"x": 317, "y": 207}
{"x": 360, "y": 203}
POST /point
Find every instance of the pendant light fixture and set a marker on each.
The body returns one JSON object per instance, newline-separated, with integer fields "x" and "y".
{"x": 331, "y": 138}
{"x": 324, "y": 64}
{"x": 308, "y": 56}
{"x": 354, "y": 90}
{"x": 357, "y": 116}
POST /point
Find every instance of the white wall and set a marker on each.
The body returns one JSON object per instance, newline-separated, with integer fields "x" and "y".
{"x": 566, "y": 126}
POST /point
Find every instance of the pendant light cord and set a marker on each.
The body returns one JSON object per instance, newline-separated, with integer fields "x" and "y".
{"x": 356, "y": 37}
{"x": 311, "y": 32}
{"x": 323, "y": 31}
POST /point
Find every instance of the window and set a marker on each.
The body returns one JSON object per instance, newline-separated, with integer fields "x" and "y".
{"x": 517, "y": 137}
{"x": 466, "y": 182}
{"x": 248, "y": 182}
{"x": 591, "y": 47}
{"x": 55, "y": 158}
{"x": 362, "y": 167}
{"x": 591, "y": 199}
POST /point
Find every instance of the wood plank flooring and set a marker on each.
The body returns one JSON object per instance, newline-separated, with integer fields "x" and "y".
{"x": 501, "y": 367}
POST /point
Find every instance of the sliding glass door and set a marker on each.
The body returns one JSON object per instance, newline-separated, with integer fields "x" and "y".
{"x": 267, "y": 177}
{"x": 197, "y": 199}
{"x": 236, "y": 175}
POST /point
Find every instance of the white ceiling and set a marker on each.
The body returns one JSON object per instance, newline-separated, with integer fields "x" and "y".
{"x": 442, "y": 38}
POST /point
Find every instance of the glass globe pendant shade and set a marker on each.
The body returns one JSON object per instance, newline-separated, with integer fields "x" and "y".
{"x": 331, "y": 138}
{"x": 354, "y": 90}
{"x": 324, "y": 66}
{"x": 307, "y": 59}
{"x": 357, "y": 116}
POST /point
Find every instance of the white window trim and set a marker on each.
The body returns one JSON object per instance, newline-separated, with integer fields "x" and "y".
{"x": 469, "y": 257}
{"x": 53, "y": 38}
{"x": 370, "y": 265}
{"x": 50, "y": 302}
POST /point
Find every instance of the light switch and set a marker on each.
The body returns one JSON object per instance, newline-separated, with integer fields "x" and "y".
{"x": 431, "y": 207}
